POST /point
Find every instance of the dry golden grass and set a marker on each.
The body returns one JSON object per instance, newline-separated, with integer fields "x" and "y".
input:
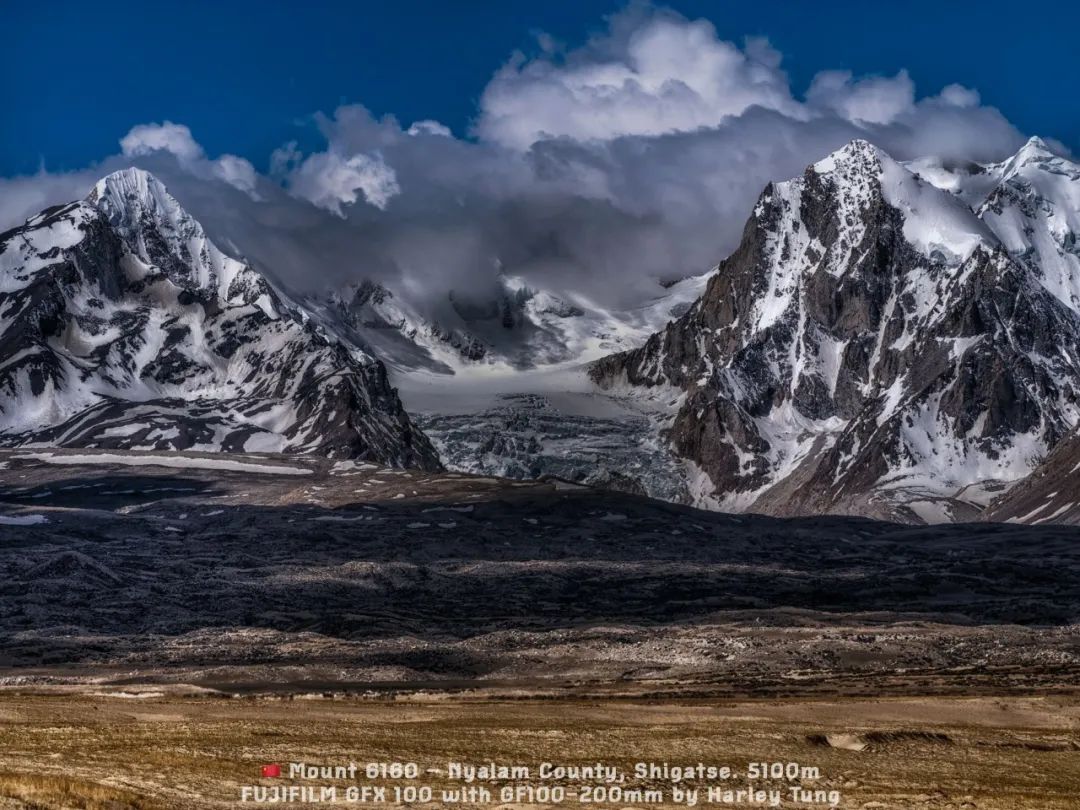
{"x": 50, "y": 791}
{"x": 188, "y": 753}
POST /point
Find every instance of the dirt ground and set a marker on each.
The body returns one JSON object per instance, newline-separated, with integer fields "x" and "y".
{"x": 158, "y": 750}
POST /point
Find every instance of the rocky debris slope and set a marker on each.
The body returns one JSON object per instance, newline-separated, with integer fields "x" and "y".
{"x": 876, "y": 346}
{"x": 123, "y": 326}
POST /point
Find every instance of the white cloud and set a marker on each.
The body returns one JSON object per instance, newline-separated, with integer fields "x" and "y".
{"x": 166, "y": 137}
{"x": 237, "y": 172}
{"x": 654, "y": 73}
{"x": 330, "y": 180}
{"x": 960, "y": 96}
{"x": 429, "y": 127}
{"x": 284, "y": 159}
{"x": 646, "y": 76}
{"x": 873, "y": 100}
{"x": 22, "y": 197}
{"x": 635, "y": 157}
{"x": 177, "y": 140}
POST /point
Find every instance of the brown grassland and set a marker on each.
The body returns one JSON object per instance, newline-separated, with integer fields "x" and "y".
{"x": 159, "y": 751}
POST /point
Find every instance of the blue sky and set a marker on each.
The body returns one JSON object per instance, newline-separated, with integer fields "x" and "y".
{"x": 246, "y": 76}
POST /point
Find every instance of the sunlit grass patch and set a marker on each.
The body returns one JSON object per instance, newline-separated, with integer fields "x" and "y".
{"x": 52, "y": 791}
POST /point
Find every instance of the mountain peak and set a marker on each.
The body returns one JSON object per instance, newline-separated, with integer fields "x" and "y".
{"x": 856, "y": 154}
{"x": 131, "y": 198}
{"x": 1036, "y": 146}
{"x": 1035, "y": 151}
{"x": 129, "y": 174}
{"x": 127, "y": 184}
{"x": 159, "y": 231}
{"x": 859, "y": 146}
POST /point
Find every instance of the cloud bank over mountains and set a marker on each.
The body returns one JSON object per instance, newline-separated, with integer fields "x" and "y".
{"x": 633, "y": 158}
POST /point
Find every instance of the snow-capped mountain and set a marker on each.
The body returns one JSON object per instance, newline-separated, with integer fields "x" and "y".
{"x": 123, "y": 326}
{"x": 888, "y": 340}
{"x": 521, "y": 327}
{"x": 1032, "y": 204}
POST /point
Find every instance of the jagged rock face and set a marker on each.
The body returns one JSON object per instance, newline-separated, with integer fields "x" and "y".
{"x": 123, "y": 326}
{"x": 872, "y": 347}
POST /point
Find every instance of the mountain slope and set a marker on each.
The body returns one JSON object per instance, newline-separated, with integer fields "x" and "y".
{"x": 123, "y": 326}
{"x": 872, "y": 347}
{"x": 1051, "y": 494}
